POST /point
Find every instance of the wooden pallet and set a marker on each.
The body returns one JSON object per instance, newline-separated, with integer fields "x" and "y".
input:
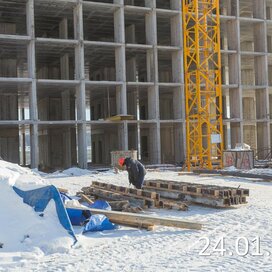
{"x": 142, "y": 194}
{"x": 134, "y": 200}
{"x": 215, "y": 196}
{"x": 171, "y": 194}
{"x": 126, "y": 190}
{"x": 209, "y": 190}
{"x": 172, "y": 205}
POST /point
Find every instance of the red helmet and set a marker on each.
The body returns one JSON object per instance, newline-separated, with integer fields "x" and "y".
{"x": 121, "y": 161}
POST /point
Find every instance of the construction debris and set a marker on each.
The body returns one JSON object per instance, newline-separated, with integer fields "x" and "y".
{"x": 112, "y": 196}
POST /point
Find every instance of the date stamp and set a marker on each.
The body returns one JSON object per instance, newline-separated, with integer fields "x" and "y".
{"x": 242, "y": 247}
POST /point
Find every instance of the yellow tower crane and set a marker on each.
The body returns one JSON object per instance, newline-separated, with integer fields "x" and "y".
{"x": 202, "y": 64}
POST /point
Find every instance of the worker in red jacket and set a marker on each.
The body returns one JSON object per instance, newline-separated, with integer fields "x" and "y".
{"x": 136, "y": 171}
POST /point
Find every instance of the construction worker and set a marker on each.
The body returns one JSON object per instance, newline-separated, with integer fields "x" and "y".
{"x": 136, "y": 171}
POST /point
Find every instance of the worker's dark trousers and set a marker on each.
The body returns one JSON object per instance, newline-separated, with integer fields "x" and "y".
{"x": 140, "y": 183}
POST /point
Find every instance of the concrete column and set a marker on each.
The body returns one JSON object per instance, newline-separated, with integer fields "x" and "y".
{"x": 259, "y": 9}
{"x": 177, "y": 103}
{"x": 155, "y": 143}
{"x": 150, "y": 68}
{"x": 153, "y": 92}
{"x": 175, "y": 4}
{"x": 153, "y": 101}
{"x": 261, "y": 78}
{"x": 122, "y": 130}
{"x": 238, "y": 134}
{"x": 120, "y": 62}
{"x": 148, "y": 3}
{"x": 64, "y": 66}
{"x": 263, "y": 140}
{"x": 259, "y": 37}
{"x": 80, "y": 89}
{"x": 235, "y": 94}
{"x": 131, "y": 73}
{"x": 67, "y": 143}
{"x": 120, "y": 58}
{"x": 63, "y": 28}
{"x": 179, "y": 143}
{"x": 178, "y": 77}
{"x": 66, "y": 105}
{"x": 34, "y": 138}
{"x": 130, "y": 34}
{"x": 64, "y": 60}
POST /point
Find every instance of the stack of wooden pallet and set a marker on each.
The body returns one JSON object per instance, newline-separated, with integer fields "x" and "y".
{"x": 137, "y": 198}
{"x": 169, "y": 194}
{"x": 211, "y": 195}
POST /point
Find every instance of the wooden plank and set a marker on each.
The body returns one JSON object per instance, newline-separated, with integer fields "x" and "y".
{"x": 210, "y": 202}
{"x": 196, "y": 199}
{"x": 170, "y": 204}
{"x": 62, "y": 190}
{"x": 148, "y": 201}
{"x": 86, "y": 199}
{"x": 119, "y": 205}
{"x": 127, "y": 191}
{"x": 106, "y": 195}
{"x": 178, "y": 192}
{"x": 192, "y": 187}
{"x": 133, "y": 225}
{"x": 145, "y": 219}
{"x": 154, "y": 196}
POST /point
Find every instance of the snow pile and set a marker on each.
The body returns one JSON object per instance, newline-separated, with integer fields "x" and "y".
{"x": 74, "y": 171}
{"x": 21, "y": 228}
{"x": 230, "y": 168}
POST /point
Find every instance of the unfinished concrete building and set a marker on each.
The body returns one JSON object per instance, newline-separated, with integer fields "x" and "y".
{"x": 66, "y": 66}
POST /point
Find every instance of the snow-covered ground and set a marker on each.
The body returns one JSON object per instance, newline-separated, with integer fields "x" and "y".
{"x": 24, "y": 234}
{"x": 166, "y": 249}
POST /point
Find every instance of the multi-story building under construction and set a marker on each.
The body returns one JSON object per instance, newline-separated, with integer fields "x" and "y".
{"x": 67, "y": 66}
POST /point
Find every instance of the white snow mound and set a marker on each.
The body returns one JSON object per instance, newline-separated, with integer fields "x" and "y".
{"x": 22, "y": 229}
{"x": 73, "y": 171}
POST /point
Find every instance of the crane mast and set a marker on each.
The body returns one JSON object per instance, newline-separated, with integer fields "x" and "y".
{"x": 202, "y": 65}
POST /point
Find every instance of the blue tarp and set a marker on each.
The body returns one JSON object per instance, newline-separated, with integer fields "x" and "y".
{"x": 99, "y": 222}
{"x": 39, "y": 199}
{"x": 101, "y": 205}
{"x": 76, "y": 216}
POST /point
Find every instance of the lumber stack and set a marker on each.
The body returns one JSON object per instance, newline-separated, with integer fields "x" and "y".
{"x": 137, "y": 198}
{"x": 145, "y": 221}
{"x": 216, "y": 196}
{"x": 169, "y": 194}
